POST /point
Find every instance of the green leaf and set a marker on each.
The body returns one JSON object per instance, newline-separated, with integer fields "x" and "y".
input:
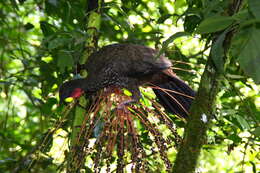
{"x": 47, "y": 29}
{"x": 244, "y": 124}
{"x": 146, "y": 102}
{"x": 47, "y": 107}
{"x": 127, "y": 92}
{"x": 214, "y": 24}
{"x": 148, "y": 95}
{"x": 64, "y": 60}
{"x": 69, "y": 99}
{"x": 122, "y": 23}
{"x": 242, "y": 15}
{"x": 245, "y": 46}
{"x": 249, "y": 22}
{"x": 256, "y": 132}
{"x": 254, "y": 7}
{"x": 57, "y": 42}
{"x": 217, "y": 52}
{"x": 235, "y": 138}
{"x": 170, "y": 40}
{"x": 191, "y": 22}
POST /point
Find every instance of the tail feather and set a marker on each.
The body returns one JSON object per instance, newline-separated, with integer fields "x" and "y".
{"x": 175, "y": 96}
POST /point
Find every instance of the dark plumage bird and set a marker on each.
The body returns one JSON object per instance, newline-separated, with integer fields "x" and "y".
{"x": 130, "y": 66}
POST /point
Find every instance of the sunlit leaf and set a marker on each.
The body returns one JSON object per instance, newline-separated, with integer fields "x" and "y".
{"x": 146, "y": 102}
{"x": 244, "y": 124}
{"x": 127, "y": 92}
{"x": 69, "y": 99}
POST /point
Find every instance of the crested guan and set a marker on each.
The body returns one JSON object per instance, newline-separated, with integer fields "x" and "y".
{"x": 130, "y": 66}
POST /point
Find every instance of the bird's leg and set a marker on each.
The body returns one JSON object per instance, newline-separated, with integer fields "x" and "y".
{"x": 136, "y": 95}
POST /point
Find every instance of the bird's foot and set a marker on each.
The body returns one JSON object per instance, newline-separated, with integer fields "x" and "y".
{"x": 123, "y": 106}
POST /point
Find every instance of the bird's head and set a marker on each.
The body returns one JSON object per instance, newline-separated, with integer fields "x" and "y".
{"x": 72, "y": 89}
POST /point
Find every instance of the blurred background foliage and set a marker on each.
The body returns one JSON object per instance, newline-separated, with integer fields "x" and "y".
{"x": 41, "y": 43}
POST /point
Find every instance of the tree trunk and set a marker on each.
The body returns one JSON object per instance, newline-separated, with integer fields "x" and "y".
{"x": 202, "y": 110}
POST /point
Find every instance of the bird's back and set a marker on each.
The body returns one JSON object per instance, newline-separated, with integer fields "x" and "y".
{"x": 126, "y": 59}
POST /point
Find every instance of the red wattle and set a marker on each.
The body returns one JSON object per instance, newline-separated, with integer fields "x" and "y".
{"x": 77, "y": 93}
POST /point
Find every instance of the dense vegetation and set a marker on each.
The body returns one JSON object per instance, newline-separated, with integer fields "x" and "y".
{"x": 41, "y": 43}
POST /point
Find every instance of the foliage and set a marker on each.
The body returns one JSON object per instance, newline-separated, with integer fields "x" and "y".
{"x": 41, "y": 43}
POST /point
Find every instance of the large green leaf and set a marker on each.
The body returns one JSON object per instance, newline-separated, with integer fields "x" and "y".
{"x": 254, "y": 7}
{"x": 214, "y": 24}
{"x": 244, "y": 124}
{"x": 246, "y": 47}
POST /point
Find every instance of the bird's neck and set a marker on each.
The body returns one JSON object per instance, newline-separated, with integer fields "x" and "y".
{"x": 92, "y": 85}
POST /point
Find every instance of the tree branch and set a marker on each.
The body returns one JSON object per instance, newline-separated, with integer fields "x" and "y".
{"x": 76, "y": 158}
